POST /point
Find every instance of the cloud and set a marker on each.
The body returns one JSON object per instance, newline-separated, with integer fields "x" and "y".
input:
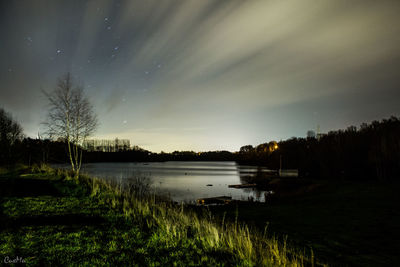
{"x": 272, "y": 53}
{"x": 224, "y": 59}
{"x": 224, "y": 65}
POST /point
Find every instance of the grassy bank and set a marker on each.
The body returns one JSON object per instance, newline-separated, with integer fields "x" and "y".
{"x": 48, "y": 217}
{"x": 346, "y": 223}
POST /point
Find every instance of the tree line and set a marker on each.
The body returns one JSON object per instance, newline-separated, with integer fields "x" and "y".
{"x": 371, "y": 152}
{"x": 10, "y": 138}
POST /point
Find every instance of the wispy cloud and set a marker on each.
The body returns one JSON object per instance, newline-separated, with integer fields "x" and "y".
{"x": 223, "y": 67}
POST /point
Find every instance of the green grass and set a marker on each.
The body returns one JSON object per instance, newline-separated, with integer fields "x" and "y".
{"x": 50, "y": 218}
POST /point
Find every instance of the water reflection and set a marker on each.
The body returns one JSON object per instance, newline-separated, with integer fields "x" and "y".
{"x": 257, "y": 175}
{"x": 183, "y": 181}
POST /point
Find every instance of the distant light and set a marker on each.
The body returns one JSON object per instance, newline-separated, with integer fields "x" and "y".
{"x": 58, "y": 51}
{"x": 276, "y": 146}
{"x": 116, "y": 48}
{"x": 105, "y": 19}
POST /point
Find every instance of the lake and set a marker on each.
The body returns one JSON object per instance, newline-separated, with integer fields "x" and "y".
{"x": 184, "y": 181}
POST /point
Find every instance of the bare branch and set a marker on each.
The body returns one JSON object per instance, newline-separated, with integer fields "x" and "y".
{"x": 70, "y": 117}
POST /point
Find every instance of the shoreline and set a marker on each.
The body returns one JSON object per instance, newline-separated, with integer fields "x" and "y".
{"x": 96, "y": 206}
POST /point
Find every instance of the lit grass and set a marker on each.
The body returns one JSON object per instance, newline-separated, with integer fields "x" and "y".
{"x": 171, "y": 223}
{"x": 90, "y": 221}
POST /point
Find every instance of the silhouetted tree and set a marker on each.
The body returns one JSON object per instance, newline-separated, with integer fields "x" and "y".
{"x": 10, "y": 135}
{"x": 70, "y": 118}
{"x": 246, "y": 149}
{"x": 370, "y": 152}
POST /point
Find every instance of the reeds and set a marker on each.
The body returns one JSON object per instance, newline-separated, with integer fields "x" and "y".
{"x": 173, "y": 223}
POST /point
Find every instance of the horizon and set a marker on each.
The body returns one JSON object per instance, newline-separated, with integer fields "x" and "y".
{"x": 132, "y": 145}
{"x": 204, "y": 75}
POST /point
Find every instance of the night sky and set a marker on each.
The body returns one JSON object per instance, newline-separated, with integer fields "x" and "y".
{"x": 205, "y": 75}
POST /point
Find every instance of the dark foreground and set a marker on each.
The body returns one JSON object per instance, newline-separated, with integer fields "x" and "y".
{"x": 345, "y": 223}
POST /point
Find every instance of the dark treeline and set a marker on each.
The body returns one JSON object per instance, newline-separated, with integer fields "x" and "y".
{"x": 10, "y": 139}
{"x": 36, "y": 151}
{"x": 14, "y": 148}
{"x": 370, "y": 153}
{"x": 46, "y": 151}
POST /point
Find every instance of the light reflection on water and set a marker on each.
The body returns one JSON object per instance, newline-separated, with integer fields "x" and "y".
{"x": 183, "y": 180}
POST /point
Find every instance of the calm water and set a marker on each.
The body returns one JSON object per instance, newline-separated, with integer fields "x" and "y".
{"x": 184, "y": 181}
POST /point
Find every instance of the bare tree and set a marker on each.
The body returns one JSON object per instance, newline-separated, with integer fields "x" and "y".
{"x": 70, "y": 117}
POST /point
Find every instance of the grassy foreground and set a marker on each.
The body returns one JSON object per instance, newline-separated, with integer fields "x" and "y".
{"x": 50, "y": 218}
